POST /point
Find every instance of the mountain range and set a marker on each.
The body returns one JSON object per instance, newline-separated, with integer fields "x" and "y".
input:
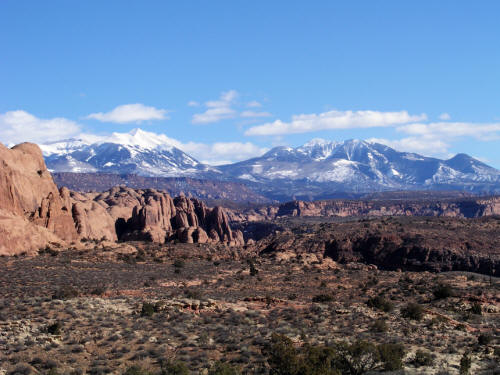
{"x": 317, "y": 170}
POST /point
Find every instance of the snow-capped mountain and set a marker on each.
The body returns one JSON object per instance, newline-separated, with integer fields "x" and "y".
{"x": 318, "y": 169}
{"x": 361, "y": 166}
{"x": 138, "y": 152}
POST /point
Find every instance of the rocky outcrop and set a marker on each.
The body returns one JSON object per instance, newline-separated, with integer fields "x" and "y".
{"x": 463, "y": 207}
{"x": 409, "y": 243}
{"x": 33, "y": 212}
{"x": 151, "y": 215}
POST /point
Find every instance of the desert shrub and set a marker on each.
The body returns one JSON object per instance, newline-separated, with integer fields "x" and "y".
{"x": 484, "y": 339}
{"x": 476, "y": 308}
{"x": 66, "y": 292}
{"x": 220, "y": 368}
{"x": 322, "y": 298}
{"x": 357, "y": 358}
{"x": 340, "y": 358}
{"x": 253, "y": 270}
{"x": 136, "y": 370}
{"x": 281, "y": 355}
{"x": 465, "y": 364}
{"x": 318, "y": 360}
{"x": 179, "y": 263}
{"x": 443, "y": 291}
{"x": 193, "y": 293}
{"x": 148, "y": 309}
{"x": 380, "y": 325}
{"x": 98, "y": 290}
{"x": 423, "y": 358}
{"x": 174, "y": 368}
{"x": 392, "y": 356}
{"x": 48, "y": 250}
{"x": 413, "y": 311}
{"x": 55, "y": 328}
{"x": 380, "y": 303}
{"x": 21, "y": 369}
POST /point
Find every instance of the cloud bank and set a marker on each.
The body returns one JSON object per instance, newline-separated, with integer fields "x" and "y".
{"x": 130, "y": 113}
{"x": 334, "y": 120}
{"x": 217, "y": 110}
{"x": 21, "y": 126}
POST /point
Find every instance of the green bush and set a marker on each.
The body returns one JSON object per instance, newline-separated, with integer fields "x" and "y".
{"x": 148, "y": 309}
{"x": 193, "y": 293}
{"x": 220, "y": 368}
{"x": 413, "y": 311}
{"x": 443, "y": 291}
{"x": 357, "y": 358}
{"x": 465, "y": 364}
{"x": 281, "y": 356}
{"x": 476, "y": 308}
{"x": 253, "y": 270}
{"x": 423, "y": 358}
{"x": 179, "y": 263}
{"x": 341, "y": 358}
{"x": 380, "y": 303}
{"x": 484, "y": 339}
{"x": 322, "y": 298}
{"x": 392, "y": 356}
{"x": 55, "y": 328}
{"x": 174, "y": 368}
{"x": 67, "y": 292}
{"x": 136, "y": 370}
{"x": 380, "y": 326}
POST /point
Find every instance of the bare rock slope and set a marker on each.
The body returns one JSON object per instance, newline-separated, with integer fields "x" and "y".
{"x": 125, "y": 213}
{"x": 34, "y": 213}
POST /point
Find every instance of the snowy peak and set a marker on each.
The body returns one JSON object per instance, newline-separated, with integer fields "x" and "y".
{"x": 318, "y": 149}
{"x": 321, "y": 165}
{"x": 137, "y": 152}
{"x": 142, "y": 139}
{"x": 356, "y": 165}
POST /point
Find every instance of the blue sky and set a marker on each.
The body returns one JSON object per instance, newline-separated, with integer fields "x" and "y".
{"x": 229, "y": 79}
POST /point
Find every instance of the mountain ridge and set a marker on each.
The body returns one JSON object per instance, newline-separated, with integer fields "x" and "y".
{"x": 315, "y": 170}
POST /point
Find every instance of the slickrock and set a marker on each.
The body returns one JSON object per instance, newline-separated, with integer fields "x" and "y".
{"x": 35, "y": 214}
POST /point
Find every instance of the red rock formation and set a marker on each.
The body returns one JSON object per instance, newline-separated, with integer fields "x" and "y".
{"x": 153, "y": 216}
{"x": 30, "y": 200}
{"x": 34, "y": 214}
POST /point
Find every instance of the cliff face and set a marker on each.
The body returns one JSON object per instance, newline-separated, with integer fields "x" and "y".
{"x": 407, "y": 243}
{"x": 127, "y": 214}
{"x": 34, "y": 213}
{"x": 456, "y": 207}
{"x": 466, "y": 208}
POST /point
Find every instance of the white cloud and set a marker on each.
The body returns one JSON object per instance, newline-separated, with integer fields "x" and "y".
{"x": 481, "y": 131}
{"x": 445, "y": 116}
{"x": 193, "y": 103}
{"x": 330, "y": 120}
{"x": 254, "y": 104}
{"x": 421, "y": 145}
{"x": 435, "y": 138}
{"x": 21, "y": 126}
{"x": 130, "y": 113}
{"x": 250, "y": 114}
{"x": 222, "y": 152}
{"x": 217, "y": 109}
